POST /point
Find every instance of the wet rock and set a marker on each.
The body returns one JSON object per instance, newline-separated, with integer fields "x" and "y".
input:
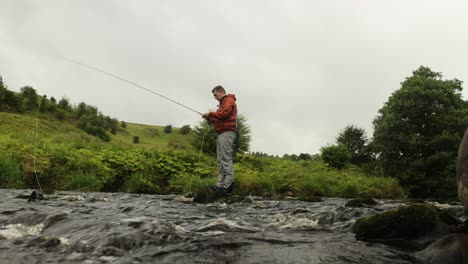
{"x": 267, "y": 195}
{"x": 311, "y": 199}
{"x": 190, "y": 195}
{"x": 49, "y": 243}
{"x": 451, "y": 249}
{"x": 361, "y": 202}
{"x": 410, "y": 227}
{"x": 182, "y": 199}
{"x": 206, "y": 195}
{"x": 32, "y": 197}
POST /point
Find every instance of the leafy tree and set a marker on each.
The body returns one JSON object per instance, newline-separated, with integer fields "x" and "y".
{"x": 30, "y": 98}
{"x": 52, "y": 105}
{"x": 95, "y": 125}
{"x": 244, "y": 136}
{"x": 136, "y": 139}
{"x": 44, "y": 104}
{"x": 168, "y": 129}
{"x": 205, "y": 134}
{"x": 304, "y": 156}
{"x": 9, "y": 102}
{"x": 184, "y": 130}
{"x": 336, "y": 156}
{"x": 355, "y": 140}
{"x": 417, "y": 132}
{"x": 64, "y": 104}
{"x": 123, "y": 124}
{"x": 113, "y": 124}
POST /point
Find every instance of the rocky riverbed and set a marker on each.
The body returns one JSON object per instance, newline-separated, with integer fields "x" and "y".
{"x": 72, "y": 227}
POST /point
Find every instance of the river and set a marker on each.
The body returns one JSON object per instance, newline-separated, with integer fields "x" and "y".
{"x": 72, "y": 227}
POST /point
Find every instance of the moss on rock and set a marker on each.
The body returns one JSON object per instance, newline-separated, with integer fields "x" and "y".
{"x": 408, "y": 222}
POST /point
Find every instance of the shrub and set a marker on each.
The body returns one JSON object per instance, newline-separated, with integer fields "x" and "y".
{"x": 136, "y": 139}
{"x": 11, "y": 175}
{"x": 83, "y": 182}
{"x": 336, "y": 156}
{"x": 168, "y": 129}
{"x": 140, "y": 183}
{"x": 185, "y": 130}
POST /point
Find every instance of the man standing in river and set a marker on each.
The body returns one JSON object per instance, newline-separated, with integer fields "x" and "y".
{"x": 224, "y": 121}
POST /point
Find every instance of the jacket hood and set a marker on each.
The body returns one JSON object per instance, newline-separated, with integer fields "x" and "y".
{"x": 233, "y": 96}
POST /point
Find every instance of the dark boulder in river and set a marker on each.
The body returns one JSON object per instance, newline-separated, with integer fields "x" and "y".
{"x": 361, "y": 202}
{"x": 411, "y": 227}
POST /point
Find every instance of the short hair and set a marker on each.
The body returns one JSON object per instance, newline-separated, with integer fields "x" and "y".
{"x": 218, "y": 88}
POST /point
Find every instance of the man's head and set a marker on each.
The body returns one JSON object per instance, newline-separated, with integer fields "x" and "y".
{"x": 218, "y": 92}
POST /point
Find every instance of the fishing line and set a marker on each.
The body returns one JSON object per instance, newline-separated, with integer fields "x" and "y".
{"x": 130, "y": 82}
{"x": 199, "y": 158}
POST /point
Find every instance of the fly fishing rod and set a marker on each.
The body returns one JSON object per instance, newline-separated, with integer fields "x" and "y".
{"x": 130, "y": 82}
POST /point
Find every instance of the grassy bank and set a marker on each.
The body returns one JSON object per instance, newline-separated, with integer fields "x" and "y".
{"x": 69, "y": 159}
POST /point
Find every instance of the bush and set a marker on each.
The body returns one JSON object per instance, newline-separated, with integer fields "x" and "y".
{"x": 84, "y": 182}
{"x": 168, "y": 129}
{"x": 11, "y": 175}
{"x": 139, "y": 183}
{"x": 336, "y": 156}
{"x": 185, "y": 130}
{"x": 136, "y": 139}
{"x": 123, "y": 124}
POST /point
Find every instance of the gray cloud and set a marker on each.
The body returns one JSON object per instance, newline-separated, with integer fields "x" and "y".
{"x": 302, "y": 70}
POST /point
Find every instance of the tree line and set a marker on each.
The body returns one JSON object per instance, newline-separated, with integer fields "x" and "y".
{"x": 415, "y": 139}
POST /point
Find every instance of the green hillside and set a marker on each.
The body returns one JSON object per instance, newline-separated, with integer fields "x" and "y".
{"x": 152, "y": 137}
{"x": 21, "y": 128}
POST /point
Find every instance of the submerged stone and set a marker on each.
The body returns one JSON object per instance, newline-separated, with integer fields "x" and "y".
{"x": 206, "y": 195}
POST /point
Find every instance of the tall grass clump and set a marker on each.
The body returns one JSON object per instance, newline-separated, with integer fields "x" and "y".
{"x": 11, "y": 173}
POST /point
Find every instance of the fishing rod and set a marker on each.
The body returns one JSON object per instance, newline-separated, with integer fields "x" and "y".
{"x": 130, "y": 82}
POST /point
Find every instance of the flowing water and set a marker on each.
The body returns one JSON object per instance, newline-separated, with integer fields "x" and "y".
{"x": 70, "y": 227}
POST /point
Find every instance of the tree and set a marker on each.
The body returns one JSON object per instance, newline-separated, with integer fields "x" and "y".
{"x": 44, "y": 104}
{"x": 64, "y": 104}
{"x": 205, "y": 134}
{"x": 95, "y": 125}
{"x": 355, "y": 140}
{"x": 184, "y": 130}
{"x": 30, "y": 98}
{"x": 8, "y": 100}
{"x": 136, "y": 139}
{"x": 123, "y": 124}
{"x": 336, "y": 156}
{"x": 113, "y": 124}
{"x": 168, "y": 129}
{"x": 417, "y": 132}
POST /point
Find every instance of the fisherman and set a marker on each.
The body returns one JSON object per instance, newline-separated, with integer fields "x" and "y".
{"x": 224, "y": 121}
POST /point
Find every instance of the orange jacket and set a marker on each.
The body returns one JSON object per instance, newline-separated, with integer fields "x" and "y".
{"x": 224, "y": 119}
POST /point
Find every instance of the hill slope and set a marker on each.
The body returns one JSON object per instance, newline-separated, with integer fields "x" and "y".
{"x": 22, "y": 128}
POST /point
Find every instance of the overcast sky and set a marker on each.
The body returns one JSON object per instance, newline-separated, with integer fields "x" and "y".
{"x": 301, "y": 70}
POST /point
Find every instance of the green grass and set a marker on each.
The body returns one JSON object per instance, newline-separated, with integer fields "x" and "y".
{"x": 151, "y": 137}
